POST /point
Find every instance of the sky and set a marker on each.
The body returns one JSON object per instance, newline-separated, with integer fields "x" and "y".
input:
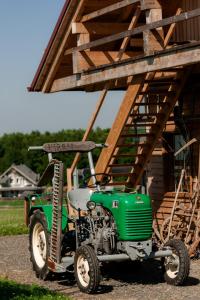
{"x": 25, "y": 29}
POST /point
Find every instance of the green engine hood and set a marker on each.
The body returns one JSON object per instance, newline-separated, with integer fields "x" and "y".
{"x": 132, "y": 213}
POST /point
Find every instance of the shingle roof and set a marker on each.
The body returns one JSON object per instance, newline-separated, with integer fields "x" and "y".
{"x": 27, "y": 171}
{"x": 24, "y": 171}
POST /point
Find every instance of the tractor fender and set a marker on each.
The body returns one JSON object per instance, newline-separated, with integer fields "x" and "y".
{"x": 48, "y": 212}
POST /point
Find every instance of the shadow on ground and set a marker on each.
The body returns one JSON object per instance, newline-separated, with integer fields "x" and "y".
{"x": 149, "y": 272}
{"x": 122, "y": 274}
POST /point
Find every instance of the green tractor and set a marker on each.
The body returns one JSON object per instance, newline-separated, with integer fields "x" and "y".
{"x": 107, "y": 225}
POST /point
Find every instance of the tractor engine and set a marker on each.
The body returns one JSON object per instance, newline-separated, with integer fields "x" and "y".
{"x": 97, "y": 229}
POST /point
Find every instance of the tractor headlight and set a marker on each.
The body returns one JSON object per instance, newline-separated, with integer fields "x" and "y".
{"x": 91, "y": 205}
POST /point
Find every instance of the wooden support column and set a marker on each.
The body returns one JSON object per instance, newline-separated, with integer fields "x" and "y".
{"x": 153, "y": 40}
{"x": 82, "y": 38}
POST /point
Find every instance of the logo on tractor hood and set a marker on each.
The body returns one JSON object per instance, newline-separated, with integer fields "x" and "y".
{"x": 115, "y": 204}
{"x": 139, "y": 200}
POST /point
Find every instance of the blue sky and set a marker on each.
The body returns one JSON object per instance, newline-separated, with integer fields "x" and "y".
{"x": 25, "y": 28}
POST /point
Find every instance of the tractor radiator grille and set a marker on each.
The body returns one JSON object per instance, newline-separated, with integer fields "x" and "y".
{"x": 137, "y": 224}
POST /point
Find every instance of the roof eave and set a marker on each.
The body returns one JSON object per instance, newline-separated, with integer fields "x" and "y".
{"x": 33, "y": 87}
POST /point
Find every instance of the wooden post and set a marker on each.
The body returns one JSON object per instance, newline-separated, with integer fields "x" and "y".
{"x": 82, "y": 38}
{"x": 153, "y": 40}
{"x": 26, "y": 210}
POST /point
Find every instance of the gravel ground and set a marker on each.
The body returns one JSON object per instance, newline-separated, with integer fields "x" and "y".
{"x": 127, "y": 280}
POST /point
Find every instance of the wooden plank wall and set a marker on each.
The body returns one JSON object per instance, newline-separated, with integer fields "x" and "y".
{"x": 188, "y": 30}
{"x": 162, "y": 209}
{"x": 155, "y": 174}
{"x": 158, "y": 175}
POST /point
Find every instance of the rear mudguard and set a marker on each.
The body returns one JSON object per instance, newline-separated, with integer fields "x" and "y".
{"x": 48, "y": 211}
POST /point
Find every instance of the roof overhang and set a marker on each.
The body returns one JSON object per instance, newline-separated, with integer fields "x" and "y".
{"x": 52, "y": 47}
{"x": 82, "y": 53}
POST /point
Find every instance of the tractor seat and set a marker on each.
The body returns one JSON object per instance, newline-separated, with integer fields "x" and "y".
{"x": 79, "y": 197}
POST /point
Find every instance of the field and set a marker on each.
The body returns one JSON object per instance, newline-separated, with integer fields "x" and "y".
{"x": 12, "y": 218}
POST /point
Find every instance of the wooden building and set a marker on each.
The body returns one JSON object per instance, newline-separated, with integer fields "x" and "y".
{"x": 150, "y": 49}
{"x": 17, "y": 180}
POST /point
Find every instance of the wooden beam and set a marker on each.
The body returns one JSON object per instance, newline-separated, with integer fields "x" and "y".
{"x": 96, "y": 58}
{"x": 164, "y": 22}
{"x": 96, "y": 4}
{"x": 126, "y": 40}
{"x": 171, "y": 29}
{"x": 87, "y": 59}
{"x": 149, "y": 4}
{"x": 98, "y": 28}
{"x": 166, "y": 59}
{"x": 153, "y": 40}
{"x": 82, "y": 38}
{"x": 58, "y": 58}
{"x": 107, "y": 9}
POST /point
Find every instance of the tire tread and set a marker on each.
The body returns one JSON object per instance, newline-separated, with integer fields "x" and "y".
{"x": 88, "y": 252}
{"x": 184, "y": 267}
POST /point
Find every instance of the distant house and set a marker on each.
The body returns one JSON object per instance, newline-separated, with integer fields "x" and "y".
{"x": 16, "y": 180}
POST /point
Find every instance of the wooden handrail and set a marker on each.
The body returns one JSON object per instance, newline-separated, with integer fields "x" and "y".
{"x": 128, "y": 33}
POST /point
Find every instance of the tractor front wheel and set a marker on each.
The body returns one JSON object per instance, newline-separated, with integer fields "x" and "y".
{"x": 177, "y": 266}
{"x": 86, "y": 268}
{"x": 39, "y": 244}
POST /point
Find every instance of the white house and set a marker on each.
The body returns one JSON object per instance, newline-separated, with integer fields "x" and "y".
{"x": 16, "y": 180}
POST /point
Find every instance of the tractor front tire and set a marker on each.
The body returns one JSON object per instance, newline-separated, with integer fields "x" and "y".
{"x": 177, "y": 266}
{"x": 86, "y": 269}
{"x": 39, "y": 244}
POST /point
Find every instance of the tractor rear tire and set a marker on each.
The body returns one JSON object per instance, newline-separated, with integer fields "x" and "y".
{"x": 39, "y": 244}
{"x": 86, "y": 269}
{"x": 177, "y": 266}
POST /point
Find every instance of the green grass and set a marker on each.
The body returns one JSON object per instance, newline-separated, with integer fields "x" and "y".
{"x": 12, "y": 221}
{"x": 12, "y": 203}
{"x": 10, "y": 290}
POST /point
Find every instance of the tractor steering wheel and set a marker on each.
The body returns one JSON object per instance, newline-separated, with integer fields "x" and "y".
{"x": 106, "y": 178}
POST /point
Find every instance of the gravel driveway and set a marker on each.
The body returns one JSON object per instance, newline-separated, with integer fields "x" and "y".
{"x": 120, "y": 281}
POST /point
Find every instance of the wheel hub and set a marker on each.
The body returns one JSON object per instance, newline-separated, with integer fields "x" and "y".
{"x": 83, "y": 271}
{"x": 39, "y": 245}
{"x": 172, "y": 265}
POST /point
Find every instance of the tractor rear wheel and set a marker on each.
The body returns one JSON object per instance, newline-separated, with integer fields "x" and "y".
{"x": 86, "y": 269}
{"x": 177, "y": 266}
{"x": 39, "y": 244}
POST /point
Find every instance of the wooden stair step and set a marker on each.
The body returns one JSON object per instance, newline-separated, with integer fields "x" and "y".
{"x": 158, "y": 92}
{"x": 126, "y": 155}
{"x": 173, "y": 194}
{"x": 136, "y": 135}
{"x": 121, "y": 165}
{"x": 175, "y": 69}
{"x": 162, "y": 80}
{"x": 141, "y": 144}
{"x": 116, "y": 183}
{"x": 146, "y": 114}
{"x": 139, "y": 125}
{"x": 151, "y": 104}
{"x": 121, "y": 174}
{"x": 139, "y": 120}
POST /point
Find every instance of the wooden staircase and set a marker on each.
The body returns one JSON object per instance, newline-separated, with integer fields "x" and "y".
{"x": 140, "y": 122}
